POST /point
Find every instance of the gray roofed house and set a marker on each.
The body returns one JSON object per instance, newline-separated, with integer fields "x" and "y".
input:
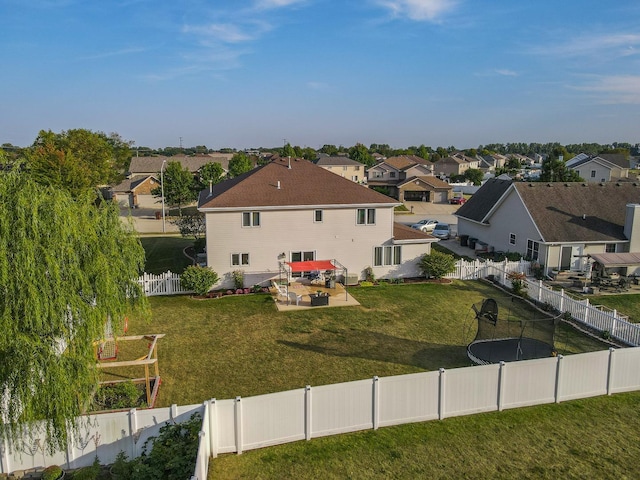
{"x": 600, "y": 168}
{"x": 152, "y": 165}
{"x": 558, "y": 224}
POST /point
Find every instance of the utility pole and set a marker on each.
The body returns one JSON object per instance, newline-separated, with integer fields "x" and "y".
{"x": 162, "y": 192}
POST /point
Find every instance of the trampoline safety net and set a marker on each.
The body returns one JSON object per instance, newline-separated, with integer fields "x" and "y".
{"x": 500, "y": 338}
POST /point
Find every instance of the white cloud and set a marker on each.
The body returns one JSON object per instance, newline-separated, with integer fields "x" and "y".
{"x": 317, "y": 85}
{"x": 594, "y": 45}
{"x": 419, "y": 10}
{"x": 225, "y": 32}
{"x": 270, "y": 4}
{"x": 614, "y": 89}
{"x": 505, "y": 72}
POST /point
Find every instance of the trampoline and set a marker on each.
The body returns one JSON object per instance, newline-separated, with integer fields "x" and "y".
{"x": 505, "y": 340}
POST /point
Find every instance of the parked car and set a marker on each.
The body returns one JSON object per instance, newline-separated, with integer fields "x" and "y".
{"x": 457, "y": 201}
{"x": 442, "y": 231}
{"x": 425, "y": 225}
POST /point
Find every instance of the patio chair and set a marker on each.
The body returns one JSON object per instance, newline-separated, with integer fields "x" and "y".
{"x": 280, "y": 289}
{"x": 294, "y": 298}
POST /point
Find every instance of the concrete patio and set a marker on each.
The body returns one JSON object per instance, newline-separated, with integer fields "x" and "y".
{"x": 338, "y": 296}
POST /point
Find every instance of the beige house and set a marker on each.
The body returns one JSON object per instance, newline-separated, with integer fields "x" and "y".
{"x": 396, "y": 171}
{"x": 345, "y": 167}
{"x": 558, "y": 224}
{"x": 600, "y": 169}
{"x": 294, "y": 210}
{"x": 456, "y": 164}
{"x": 135, "y": 192}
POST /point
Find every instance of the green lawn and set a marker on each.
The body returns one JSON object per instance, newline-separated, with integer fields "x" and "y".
{"x": 243, "y": 346}
{"x": 165, "y": 253}
{"x": 628, "y": 304}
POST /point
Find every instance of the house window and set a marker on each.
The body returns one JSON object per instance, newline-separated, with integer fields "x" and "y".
{"x": 250, "y": 219}
{"x": 357, "y": 168}
{"x": 610, "y": 248}
{"x": 392, "y": 174}
{"x": 532, "y": 249}
{"x": 377, "y": 174}
{"x": 366, "y": 216}
{"x": 388, "y": 255}
{"x": 593, "y": 174}
{"x": 303, "y": 256}
{"x": 354, "y": 178}
{"x": 238, "y": 259}
{"x": 512, "y": 239}
{"x": 317, "y": 216}
{"x": 344, "y": 168}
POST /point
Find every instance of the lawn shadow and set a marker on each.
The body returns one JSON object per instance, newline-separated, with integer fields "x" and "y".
{"x": 383, "y": 348}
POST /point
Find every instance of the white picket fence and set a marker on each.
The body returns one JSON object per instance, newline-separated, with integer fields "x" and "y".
{"x": 167, "y": 283}
{"x": 242, "y": 424}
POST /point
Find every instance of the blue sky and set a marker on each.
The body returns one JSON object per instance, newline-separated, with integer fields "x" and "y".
{"x": 312, "y": 72}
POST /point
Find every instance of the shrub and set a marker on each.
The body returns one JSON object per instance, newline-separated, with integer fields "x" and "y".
{"x": 538, "y": 271}
{"x": 88, "y": 473}
{"x": 117, "y": 395}
{"x": 517, "y": 283}
{"x": 52, "y": 472}
{"x": 199, "y": 279}
{"x": 437, "y": 264}
{"x": 369, "y": 276}
{"x": 172, "y": 455}
{"x": 238, "y": 278}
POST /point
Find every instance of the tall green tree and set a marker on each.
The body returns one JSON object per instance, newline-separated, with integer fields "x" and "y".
{"x": 240, "y": 163}
{"x": 77, "y": 160}
{"x": 67, "y": 265}
{"x": 361, "y": 154}
{"x": 474, "y": 175}
{"x": 210, "y": 172}
{"x": 178, "y": 184}
{"x": 555, "y": 170}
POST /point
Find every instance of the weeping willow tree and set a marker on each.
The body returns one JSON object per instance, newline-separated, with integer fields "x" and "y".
{"x": 66, "y": 265}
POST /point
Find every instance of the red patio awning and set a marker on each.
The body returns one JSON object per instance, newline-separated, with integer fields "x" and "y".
{"x": 311, "y": 265}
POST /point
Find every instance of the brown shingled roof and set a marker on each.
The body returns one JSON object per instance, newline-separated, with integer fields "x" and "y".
{"x": 579, "y": 212}
{"x": 275, "y": 184}
{"x": 402, "y": 232}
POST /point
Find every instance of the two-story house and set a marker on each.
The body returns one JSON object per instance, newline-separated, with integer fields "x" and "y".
{"x": 558, "y": 224}
{"x": 408, "y": 178}
{"x": 455, "y": 164}
{"x": 600, "y": 168}
{"x": 344, "y": 166}
{"x": 293, "y": 210}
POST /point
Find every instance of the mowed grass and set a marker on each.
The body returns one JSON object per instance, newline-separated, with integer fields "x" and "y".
{"x": 222, "y": 348}
{"x": 627, "y": 304}
{"x": 590, "y": 438}
{"x": 165, "y": 253}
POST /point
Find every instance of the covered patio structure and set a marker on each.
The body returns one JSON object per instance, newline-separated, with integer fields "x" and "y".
{"x": 316, "y": 271}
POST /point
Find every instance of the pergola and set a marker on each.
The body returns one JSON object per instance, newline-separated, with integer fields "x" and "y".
{"x": 315, "y": 265}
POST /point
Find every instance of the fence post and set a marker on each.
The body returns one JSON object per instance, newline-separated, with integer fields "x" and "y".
{"x": 375, "y": 400}
{"x": 610, "y": 370}
{"x": 169, "y": 282}
{"x": 558, "y": 377}
{"x": 133, "y": 428}
{"x": 561, "y": 307}
{"x": 539, "y": 296}
{"x": 441, "y": 398}
{"x": 238, "y": 425}
{"x": 213, "y": 428}
{"x": 501, "y": 375}
{"x": 307, "y": 412}
{"x": 614, "y": 324}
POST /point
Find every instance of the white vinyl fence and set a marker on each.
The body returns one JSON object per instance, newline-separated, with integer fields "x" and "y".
{"x": 241, "y": 424}
{"x": 167, "y": 283}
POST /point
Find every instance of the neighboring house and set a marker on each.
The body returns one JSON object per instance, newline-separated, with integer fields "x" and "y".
{"x": 424, "y": 189}
{"x": 344, "y": 166}
{"x": 135, "y": 192}
{"x": 600, "y": 168}
{"x": 298, "y": 211}
{"x": 143, "y": 166}
{"x": 557, "y": 224}
{"x": 395, "y": 171}
{"x": 455, "y": 164}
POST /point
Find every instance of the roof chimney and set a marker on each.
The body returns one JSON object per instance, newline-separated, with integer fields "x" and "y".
{"x": 210, "y": 187}
{"x": 278, "y": 186}
{"x": 289, "y": 157}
